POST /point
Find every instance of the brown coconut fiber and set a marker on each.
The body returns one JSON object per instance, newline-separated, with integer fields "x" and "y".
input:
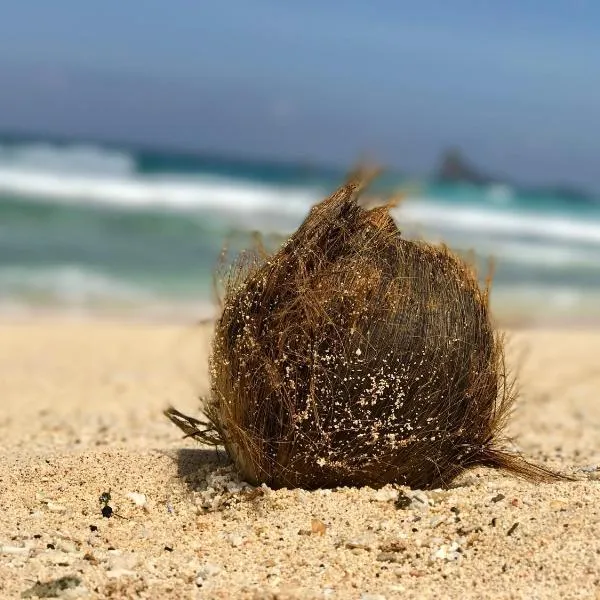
{"x": 352, "y": 356}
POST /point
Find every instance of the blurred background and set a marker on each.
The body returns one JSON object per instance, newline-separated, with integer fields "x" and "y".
{"x": 136, "y": 138}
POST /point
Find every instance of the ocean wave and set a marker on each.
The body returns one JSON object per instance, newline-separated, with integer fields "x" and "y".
{"x": 36, "y": 157}
{"x": 88, "y": 174}
{"x": 432, "y": 214}
{"x": 50, "y": 174}
{"x": 200, "y": 192}
{"x": 71, "y": 285}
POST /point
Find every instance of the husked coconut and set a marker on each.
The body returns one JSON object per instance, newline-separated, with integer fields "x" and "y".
{"x": 353, "y": 356}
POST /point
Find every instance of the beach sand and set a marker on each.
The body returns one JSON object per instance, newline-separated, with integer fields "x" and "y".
{"x": 81, "y": 415}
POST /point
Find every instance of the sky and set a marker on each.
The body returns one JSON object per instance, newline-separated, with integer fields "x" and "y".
{"x": 515, "y": 84}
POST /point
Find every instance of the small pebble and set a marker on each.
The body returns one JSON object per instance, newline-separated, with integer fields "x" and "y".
{"x": 116, "y": 573}
{"x": 235, "y": 540}
{"x": 419, "y": 501}
{"x": 447, "y": 552}
{"x": 358, "y": 544}
{"x": 386, "y": 494}
{"x": 56, "y": 508}
{"x": 318, "y": 527}
{"x": 137, "y": 498}
{"x": 56, "y": 557}
{"x": 66, "y": 546}
{"x": 387, "y": 557}
{"x": 14, "y": 550}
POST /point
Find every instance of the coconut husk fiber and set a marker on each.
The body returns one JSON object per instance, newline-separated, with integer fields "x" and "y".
{"x": 353, "y": 356}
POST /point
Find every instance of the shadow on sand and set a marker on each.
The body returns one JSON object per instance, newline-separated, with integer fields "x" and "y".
{"x": 195, "y": 464}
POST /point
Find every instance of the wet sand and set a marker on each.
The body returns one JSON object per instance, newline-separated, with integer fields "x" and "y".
{"x": 81, "y": 416}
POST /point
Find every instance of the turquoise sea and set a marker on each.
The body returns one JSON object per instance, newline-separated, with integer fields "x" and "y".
{"x": 107, "y": 229}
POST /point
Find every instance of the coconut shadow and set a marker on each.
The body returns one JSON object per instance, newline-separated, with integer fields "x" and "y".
{"x": 194, "y": 464}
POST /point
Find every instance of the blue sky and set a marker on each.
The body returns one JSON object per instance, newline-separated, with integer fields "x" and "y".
{"x": 516, "y": 83}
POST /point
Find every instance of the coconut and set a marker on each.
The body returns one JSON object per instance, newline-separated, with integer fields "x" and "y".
{"x": 353, "y": 356}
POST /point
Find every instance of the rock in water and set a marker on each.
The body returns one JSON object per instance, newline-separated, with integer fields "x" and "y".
{"x": 352, "y": 356}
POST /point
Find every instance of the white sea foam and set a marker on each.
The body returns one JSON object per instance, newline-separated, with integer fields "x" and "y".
{"x": 72, "y": 158}
{"x": 430, "y": 213}
{"x": 208, "y": 193}
{"x": 87, "y": 174}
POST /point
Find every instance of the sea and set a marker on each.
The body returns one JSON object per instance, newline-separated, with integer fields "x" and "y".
{"x": 91, "y": 229}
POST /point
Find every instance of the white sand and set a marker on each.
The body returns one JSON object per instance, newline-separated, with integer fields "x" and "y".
{"x": 81, "y": 415}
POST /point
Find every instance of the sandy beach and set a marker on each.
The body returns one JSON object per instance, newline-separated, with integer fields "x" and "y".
{"x": 81, "y": 416}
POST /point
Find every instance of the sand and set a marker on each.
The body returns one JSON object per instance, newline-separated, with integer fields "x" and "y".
{"x": 81, "y": 415}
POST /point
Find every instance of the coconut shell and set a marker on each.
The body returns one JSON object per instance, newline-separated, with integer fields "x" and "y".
{"x": 353, "y": 356}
